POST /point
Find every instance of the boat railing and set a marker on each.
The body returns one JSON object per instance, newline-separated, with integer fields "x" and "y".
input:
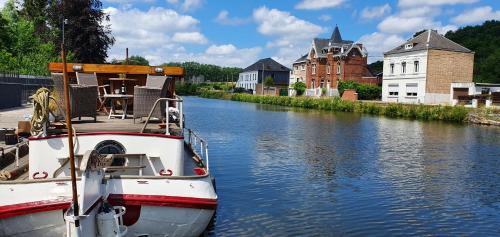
{"x": 199, "y": 147}
{"x": 178, "y": 100}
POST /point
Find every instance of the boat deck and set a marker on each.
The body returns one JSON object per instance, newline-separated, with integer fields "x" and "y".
{"x": 103, "y": 124}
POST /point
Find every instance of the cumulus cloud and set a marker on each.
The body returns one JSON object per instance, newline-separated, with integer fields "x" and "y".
{"x": 413, "y": 3}
{"x": 477, "y": 15}
{"x": 291, "y": 35}
{"x": 221, "y": 49}
{"x": 184, "y": 5}
{"x": 189, "y": 37}
{"x": 318, "y": 4}
{"x": 377, "y": 43}
{"x": 369, "y": 13}
{"x": 224, "y": 19}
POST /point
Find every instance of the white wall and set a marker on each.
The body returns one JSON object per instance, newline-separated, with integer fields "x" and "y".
{"x": 248, "y": 80}
{"x": 404, "y": 81}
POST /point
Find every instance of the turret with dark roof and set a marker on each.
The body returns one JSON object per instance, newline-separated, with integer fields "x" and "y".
{"x": 336, "y": 37}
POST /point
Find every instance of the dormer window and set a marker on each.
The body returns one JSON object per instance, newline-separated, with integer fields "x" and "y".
{"x": 408, "y": 46}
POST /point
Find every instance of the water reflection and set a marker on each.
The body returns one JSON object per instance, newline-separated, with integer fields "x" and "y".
{"x": 289, "y": 172}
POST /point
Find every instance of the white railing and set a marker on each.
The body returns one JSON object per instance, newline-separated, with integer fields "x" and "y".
{"x": 178, "y": 100}
{"x": 199, "y": 147}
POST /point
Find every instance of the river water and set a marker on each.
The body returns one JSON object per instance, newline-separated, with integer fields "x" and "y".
{"x": 288, "y": 172}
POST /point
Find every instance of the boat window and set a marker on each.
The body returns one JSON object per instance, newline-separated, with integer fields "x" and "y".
{"x": 111, "y": 147}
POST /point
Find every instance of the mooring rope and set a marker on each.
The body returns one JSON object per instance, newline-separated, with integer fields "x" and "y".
{"x": 40, "y": 111}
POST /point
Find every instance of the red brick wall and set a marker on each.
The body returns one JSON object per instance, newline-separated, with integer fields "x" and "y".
{"x": 353, "y": 68}
{"x": 350, "y": 95}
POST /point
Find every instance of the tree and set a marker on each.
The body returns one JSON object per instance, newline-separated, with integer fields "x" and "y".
{"x": 268, "y": 82}
{"x": 299, "y": 87}
{"x": 418, "y": 33}
{"x": 87, "y": 32}
{"x": 483, "y": 40}
{"x": 376, "y": 67}
{"x": 138, "y": 60}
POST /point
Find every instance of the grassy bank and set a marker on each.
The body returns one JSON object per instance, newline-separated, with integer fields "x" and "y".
{"x": 407, "y": 111}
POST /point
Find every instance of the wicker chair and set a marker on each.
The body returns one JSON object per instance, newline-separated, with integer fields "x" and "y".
{"x": 82, "y": 98}
{"x": 146, "y": 96}
{"x": 90, "y": 79}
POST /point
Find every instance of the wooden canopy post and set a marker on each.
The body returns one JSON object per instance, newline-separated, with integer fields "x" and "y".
{"x": 70, "y": 137}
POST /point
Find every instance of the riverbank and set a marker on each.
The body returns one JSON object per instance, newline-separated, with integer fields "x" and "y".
{"x": 458, "y": 114}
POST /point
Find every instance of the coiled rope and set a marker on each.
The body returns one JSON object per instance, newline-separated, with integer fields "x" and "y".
{"x": 40, "y": 111}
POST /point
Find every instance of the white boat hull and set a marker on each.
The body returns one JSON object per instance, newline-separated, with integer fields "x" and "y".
{"x": 155, "y": 207}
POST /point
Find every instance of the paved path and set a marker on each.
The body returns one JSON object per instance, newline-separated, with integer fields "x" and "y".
{"x": 10, "y": 117}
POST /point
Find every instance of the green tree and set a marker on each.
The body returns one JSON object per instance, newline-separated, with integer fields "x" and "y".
{"x": 268, "y": 82}
{"x": 299, "y": 87}
{"x": 376, "y": 67}
{"x": 87, "y": 32}
{"x": 483, "y": 40}
{"x": 138, "y": 60}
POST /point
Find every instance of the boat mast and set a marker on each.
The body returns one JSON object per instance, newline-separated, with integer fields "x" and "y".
{"x": 69, "y": 127}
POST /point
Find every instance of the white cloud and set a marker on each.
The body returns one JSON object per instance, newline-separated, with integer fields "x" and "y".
{"x": 477, "y": 15}
{"x": 318, "y": 4}
{"x": 273, "y": 22}
{"x": 183, "y": 5}
{"x": 191, "y": 4}
{"x": 221, "y": 49}
{"x": 2, "y": 3}
{"x": 223, "y": 55}
{"x": 375, "y": 12}
{"x": 325, "y": 17}
{"x": 292, "y": 35}
{"x": 377, "y": 43}
{"x": 224, "y": 19}
{"x": 413, "y": 3}
{"x": 189, "y": 37}
{"x": 398, "y": 24}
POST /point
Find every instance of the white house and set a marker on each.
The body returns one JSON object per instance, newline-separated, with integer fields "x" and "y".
{"x": 248, "y": 80}
{"x": 422, "y": 69}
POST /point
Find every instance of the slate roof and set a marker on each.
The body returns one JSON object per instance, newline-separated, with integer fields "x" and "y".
{"x": 269, "y": 65}
{"x": 301, "y": 59}
{"x": 429, "y": 39}
{"x": 334, "y": 41}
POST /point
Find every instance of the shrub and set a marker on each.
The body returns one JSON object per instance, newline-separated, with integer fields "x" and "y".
{"x": 365, "y": 92}
{"x": 299, "y": 87}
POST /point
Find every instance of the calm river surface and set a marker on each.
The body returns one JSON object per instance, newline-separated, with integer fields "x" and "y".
{"x": 284, "y": 172}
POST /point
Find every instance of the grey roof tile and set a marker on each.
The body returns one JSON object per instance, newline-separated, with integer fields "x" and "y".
{"x": 429, "y": 39}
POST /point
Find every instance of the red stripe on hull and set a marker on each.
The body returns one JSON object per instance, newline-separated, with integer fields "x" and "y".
{"x": 33, "y": 207}
{"x": 115, "y": 199}
{"x": 165, "y": 201}
{"x": 108, "y": 133}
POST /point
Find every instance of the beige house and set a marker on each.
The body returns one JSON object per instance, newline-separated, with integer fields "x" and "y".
{"x": 298, "y": 73}
{"x": 422, "y": 69}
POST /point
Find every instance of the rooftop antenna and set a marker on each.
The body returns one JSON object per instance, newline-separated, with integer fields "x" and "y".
{"x": 69, "y": 125}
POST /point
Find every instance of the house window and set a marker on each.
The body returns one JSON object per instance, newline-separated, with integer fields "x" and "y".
{"x": 403, "y": 67}
{"x": 303, "y": 67}
{"x": 322, "y": 84}
{"x": 296, "y": 68}
{"x": 416, "y": 66}
{"x": 411, "y": 89}
{"x": 328, "y": 69}
{"x": 408, "y": 46}
{"x": 392, "y": 68}
{"x": 338, "y": 68}
{"x": 314, "y": 69}
{"x": 393, "y": 90}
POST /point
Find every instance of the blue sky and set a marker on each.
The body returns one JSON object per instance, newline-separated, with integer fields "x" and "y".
{"x": 238, "y": 32}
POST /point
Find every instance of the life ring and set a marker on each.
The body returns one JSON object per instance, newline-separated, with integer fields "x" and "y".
{"x": 45, "y": 175}
{"x": 166, "y": 173}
